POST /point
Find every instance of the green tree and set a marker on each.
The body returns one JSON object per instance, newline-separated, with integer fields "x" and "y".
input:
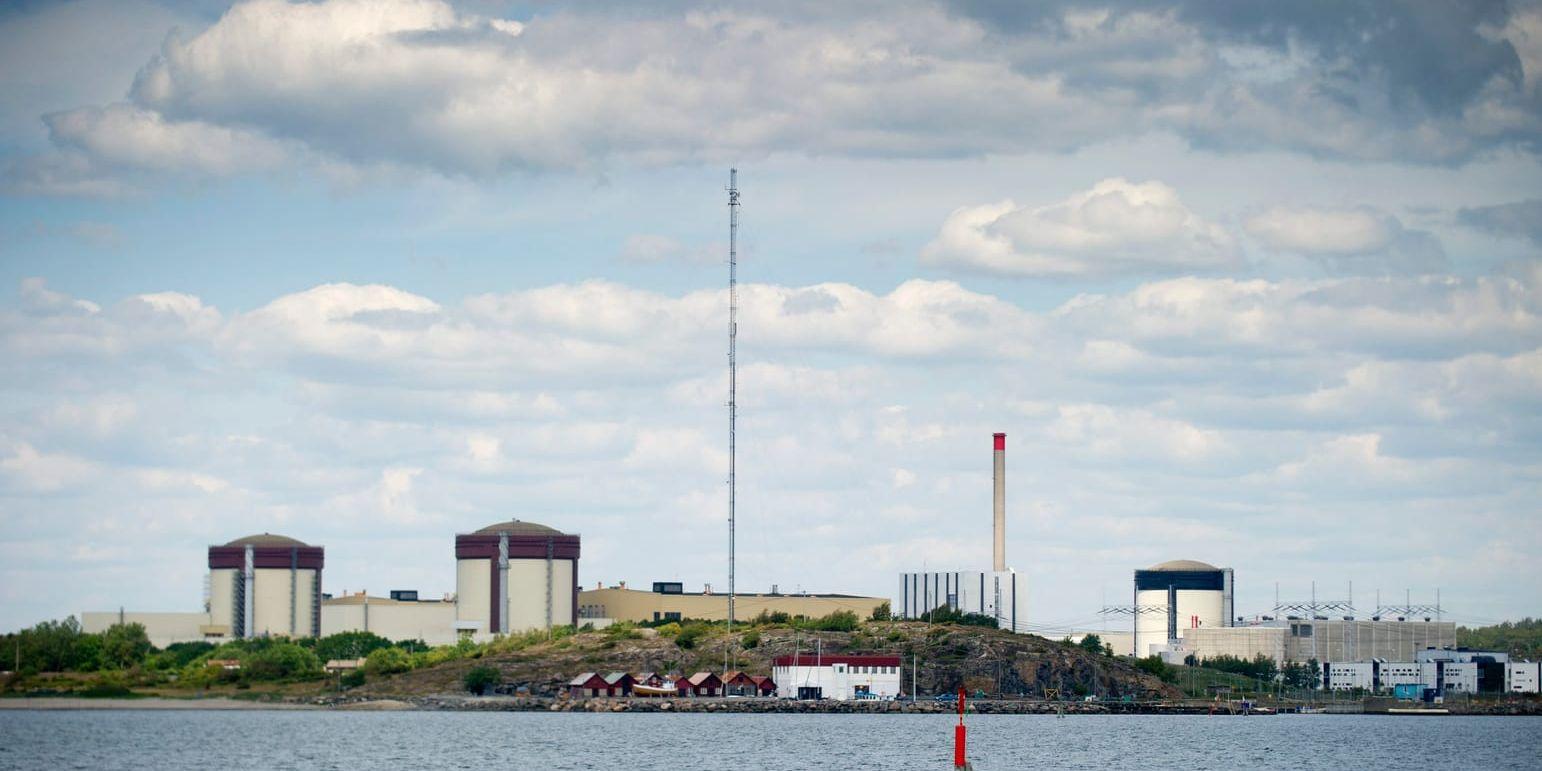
{"x": 124, "y": 645}
{"x": 881, "y": 613}
{"x": 349, "y": 645}
{"x": 278, "y": 661}
{"x": 387, "y": 661}
{"x": 1154, "y": 665}
{"x": 1092, "y": 644}
{"x": 481, "y": 679}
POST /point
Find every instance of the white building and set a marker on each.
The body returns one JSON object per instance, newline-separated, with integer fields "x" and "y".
{"x": 839, "y": 677}
{"x": 987, "y": 593}
{"x": 1349, "y": 675}
{"x": 1522, "y": 676}
{"x": 1174, "y": 597}
{"x": 1391, "y": 674}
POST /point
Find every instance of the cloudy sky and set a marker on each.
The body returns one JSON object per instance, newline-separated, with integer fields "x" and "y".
{"x": 1256, "y": 286}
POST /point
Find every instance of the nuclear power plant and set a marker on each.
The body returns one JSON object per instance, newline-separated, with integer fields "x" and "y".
{"x": 993, "y": 593}
{"x": 264, "y": 585}
{"x": 509, "y": 577}
{"x": 1180, "y": 595}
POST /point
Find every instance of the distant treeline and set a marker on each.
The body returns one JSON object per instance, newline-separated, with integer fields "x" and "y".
{"x": 1522, "y": 639}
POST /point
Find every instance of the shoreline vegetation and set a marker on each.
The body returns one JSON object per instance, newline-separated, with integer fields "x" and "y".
{"x": 59, "y": 664}
{"x": 714, "y": 705}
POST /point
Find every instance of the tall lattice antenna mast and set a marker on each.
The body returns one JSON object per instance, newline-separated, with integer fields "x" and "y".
{"x": 733, "y": 371}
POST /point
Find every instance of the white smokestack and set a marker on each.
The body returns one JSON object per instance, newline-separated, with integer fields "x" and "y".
{"x": 999, "y": 474}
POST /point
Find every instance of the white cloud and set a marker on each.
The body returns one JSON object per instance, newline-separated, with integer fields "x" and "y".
{"x": 345, "y": 85}
{"x": 1177, "y": 412}
{"x": 1116, "y": 227}
{"x": 1344, "y": 237}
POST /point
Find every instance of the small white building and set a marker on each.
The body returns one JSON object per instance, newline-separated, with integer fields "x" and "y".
{"x": 1394, "y": 673}
{"x": 838, "y": 677}
{"x": 1522, "y": 676}
{"x": 1349, "y": 675}
{"x": 987, "y": 593}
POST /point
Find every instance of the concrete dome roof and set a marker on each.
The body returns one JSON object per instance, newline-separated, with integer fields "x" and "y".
{"x": 516, "y": 527}
{"x": 1176, "y": 565}
{"x": 266, "y": 539}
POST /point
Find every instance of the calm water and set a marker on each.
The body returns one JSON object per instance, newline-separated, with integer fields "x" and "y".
{"x": 394, "y": 740}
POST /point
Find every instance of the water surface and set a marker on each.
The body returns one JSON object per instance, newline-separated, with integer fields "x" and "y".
{"x": 168, "y": 741}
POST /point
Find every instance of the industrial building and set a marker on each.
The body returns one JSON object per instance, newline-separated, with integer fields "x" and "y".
{"x": 260, "y": 585}
{"x": 265, "y": 585}
{"x": 985, "y": 593}
{"x": 1523, "y": 676}
{"x": 668, "y": 601}
{"x": 839, "y": 677}
{"x": 515, "y": 576}
{"x": 1316, "y": 639}
{"x": 510, "y": 577}
{"x": 998, "y": 593}
{"x": 401, "y": 616}
{"x": 1442, "y": 671}
{"x": 1175, "y": 598}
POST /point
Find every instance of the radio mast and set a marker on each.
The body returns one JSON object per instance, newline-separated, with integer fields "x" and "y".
{"x": 733, "y": 372}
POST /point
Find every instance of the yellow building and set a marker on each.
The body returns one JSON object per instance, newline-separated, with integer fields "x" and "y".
{"x": 668, "y": 601}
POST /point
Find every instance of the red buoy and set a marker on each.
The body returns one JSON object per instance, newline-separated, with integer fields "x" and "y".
{"x": 959, "y": 734}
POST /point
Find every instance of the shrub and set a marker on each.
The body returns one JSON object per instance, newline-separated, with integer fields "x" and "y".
{"x": 881, "y": 613}
{"x": 352, "y": 679}
{"x": 624, "y": 630}
{"x": 750, "y": 638}
{"x": 349, "y": 645}
{"x": 669, "y": 630}
{"x": 278, "y": 661}
{"x": 689, "y": 635}
{"x": 387, "y": 661}
{"x": 1154, "y": 665}
{"x": 839, "y": 621}
{"x": 179, "y": 655}
{"x": 479, "y": 679}
{"x": 767, "y": 618}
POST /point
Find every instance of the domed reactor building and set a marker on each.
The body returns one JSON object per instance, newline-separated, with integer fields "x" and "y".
{"x": 264, "y": 585}
{"x": 515, "y": 576}
{"x": 1178, "y": 595}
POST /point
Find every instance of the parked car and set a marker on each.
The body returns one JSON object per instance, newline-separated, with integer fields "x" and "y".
{"x": 945, "y": 697}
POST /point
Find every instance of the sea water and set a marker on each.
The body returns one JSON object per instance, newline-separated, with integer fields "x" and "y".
{"x": 195, "y": 739}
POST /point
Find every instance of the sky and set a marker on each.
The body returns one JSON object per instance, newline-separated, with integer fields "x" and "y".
{"x": 1253, "y": 284}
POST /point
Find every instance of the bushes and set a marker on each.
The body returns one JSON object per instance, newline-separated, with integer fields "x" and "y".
{"x": 944, "y": 614}
{"x": 352, "y": 679}
{"x": 279, "y": 661}
{"x": 688, "y": 635}
{"x": 839, "y": 621}
{"x": 750, "y": 639}
{"x": 481, "y": 679}
{"x": 881, "y": 613}
{"x": 1154, "y": 665}
{"x": 1261, "y": 667}
{"x": 622, "y": 630}
{"x": 387, "y": 661}
{"x": 349, "y": 645}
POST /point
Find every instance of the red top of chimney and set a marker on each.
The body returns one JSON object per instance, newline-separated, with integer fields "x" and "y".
{"x": 1001, "y": 441}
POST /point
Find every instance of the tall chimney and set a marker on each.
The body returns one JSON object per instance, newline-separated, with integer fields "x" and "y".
{"x": 999, "y": 475}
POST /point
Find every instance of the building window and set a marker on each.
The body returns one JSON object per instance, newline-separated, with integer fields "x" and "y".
{"x": 671, "y": 616}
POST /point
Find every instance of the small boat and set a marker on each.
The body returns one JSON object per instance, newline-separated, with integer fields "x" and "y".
{"x": 1305, "y": 710}
{"x": 667, "y": 689}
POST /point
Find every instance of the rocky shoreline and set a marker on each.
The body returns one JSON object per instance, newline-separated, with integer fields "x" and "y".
{"x": 786, "y": 706}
